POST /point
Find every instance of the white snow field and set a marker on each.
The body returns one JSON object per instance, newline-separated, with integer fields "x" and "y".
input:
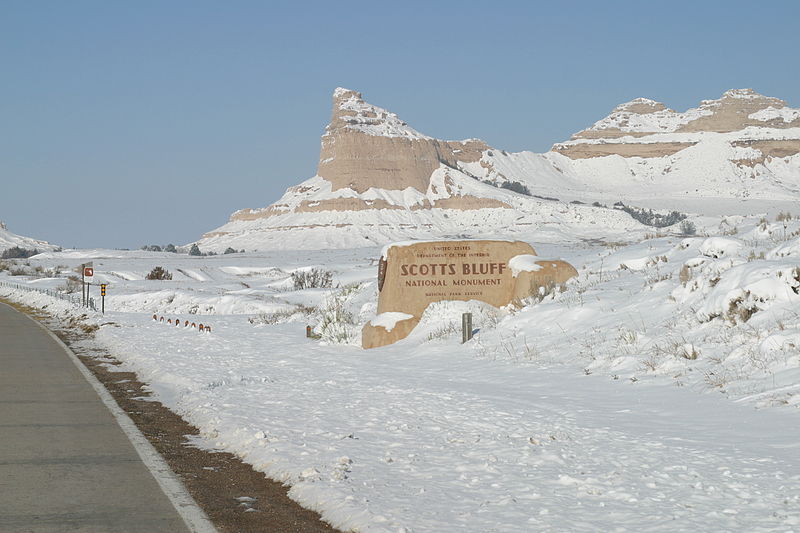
{"x": 659, "y": 392}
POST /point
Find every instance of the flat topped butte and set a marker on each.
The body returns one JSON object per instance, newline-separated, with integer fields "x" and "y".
{"x": 413, "y": 275}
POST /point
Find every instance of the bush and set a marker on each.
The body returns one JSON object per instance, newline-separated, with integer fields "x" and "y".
{"x": 229, "y": 250}
{"x": 195, "y": 250}
{"x": 285, "y": 315}
{"x": 73, "y": 284}
{"x": 649, "y": 218}
{"x": 316, "y": 278}
{"x": 171, "y": 249}
{"x": 688, "y": 228}
{"x": 516, "y": 186}
{"x": 548, "y": 198}
{"x": 159, "y": 273}
{"x": 18, "y": 253}
{"x": 337, "y": 323}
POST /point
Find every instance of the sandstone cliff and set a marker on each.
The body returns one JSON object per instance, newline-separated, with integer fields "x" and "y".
{"x": 623, "y": 131}
{"x": 365, "y": 146}
{"x": 380, "y": 180}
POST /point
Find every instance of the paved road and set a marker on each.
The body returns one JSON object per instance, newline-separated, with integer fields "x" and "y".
{"x": 65, "y": 464}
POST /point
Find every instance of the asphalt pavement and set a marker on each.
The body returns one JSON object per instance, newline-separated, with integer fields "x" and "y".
{"x": 65, "y": 463}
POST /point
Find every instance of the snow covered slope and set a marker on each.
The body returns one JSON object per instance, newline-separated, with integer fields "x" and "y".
{"x": 626, "y": 403}
{"x": 380, "y": 180}
{"x": 743, "y": 146}
{"x": 10, "y": 240}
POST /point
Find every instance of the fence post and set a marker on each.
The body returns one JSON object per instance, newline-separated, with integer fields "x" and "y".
{"x": 466, "y": 327}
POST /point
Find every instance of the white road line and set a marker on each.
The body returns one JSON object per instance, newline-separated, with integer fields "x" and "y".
{"x": 191, "y": 513}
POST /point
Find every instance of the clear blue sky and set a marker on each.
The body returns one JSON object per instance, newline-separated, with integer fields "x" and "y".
{"x": 125, "y": 123}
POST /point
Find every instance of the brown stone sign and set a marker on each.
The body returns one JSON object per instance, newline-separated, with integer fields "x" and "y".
{"x": 412, "y": 276}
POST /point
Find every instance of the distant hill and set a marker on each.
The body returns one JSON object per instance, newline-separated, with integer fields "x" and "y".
{"x": 379, "y": 180}
{"x": 10, "y": 240}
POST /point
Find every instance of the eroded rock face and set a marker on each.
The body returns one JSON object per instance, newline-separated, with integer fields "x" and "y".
{"x": 365, "y": 146}
{"x": 413, "y": 276}
{"x": 380, "y": 180}
{"x": 738, "y": 109}
{"x": 734, "y": 111}
{"x": 588, "y": 151}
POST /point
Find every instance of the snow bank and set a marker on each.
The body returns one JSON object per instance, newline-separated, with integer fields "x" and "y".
{"x": 389, "y": 320}
{"x": 720, "y": 247}
{"x": 582, "y": 397}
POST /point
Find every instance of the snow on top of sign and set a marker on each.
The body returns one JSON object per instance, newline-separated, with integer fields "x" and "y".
{"x": 524, "y": 263}
{"x": 389, "y": 319}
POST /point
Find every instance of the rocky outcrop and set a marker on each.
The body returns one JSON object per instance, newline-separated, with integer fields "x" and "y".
{"x": 379, "y": 180}
{"x": 635, "y": 129}
{"x": 586, "y": 150}
{"x": 366, "y": 147}
{"x": 738, "y": 109}
{"x": 767, "y": 150}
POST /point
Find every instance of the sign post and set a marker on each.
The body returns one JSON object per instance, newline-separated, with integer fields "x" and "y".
{"x": 466, "y": 327}
{"x": 88, "y": 275}
{"x": 87, "y": 271}
{"x": 103, "y": 297}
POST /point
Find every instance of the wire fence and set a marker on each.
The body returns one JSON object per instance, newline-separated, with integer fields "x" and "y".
{"x": 73, "y": 299}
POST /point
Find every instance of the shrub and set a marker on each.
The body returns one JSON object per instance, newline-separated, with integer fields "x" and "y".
{"x": 516, "y": 186}
{"x": 285, "y": 315}
{"x": 316, "y": 278}
{"x": 549, "y": 198}
{"x": 73, "y": 284}
{"x": 649, "y": 218}
{"x": 151, "y": 248}
{"x": 171, "y": 249}
{"x": 229, "y": 250}
{"x": 159, "y": 273}
{"x": 688, "y": 228}
{"x": 18, "y": 253}
{"x": 337, "y": 324}
{"x": 195, "y": 250}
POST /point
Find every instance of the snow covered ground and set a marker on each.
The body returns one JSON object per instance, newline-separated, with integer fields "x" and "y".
{"x": 660, "y": 392}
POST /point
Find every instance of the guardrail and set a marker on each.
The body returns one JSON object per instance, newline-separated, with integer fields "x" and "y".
{"x": 71, "y": 298}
